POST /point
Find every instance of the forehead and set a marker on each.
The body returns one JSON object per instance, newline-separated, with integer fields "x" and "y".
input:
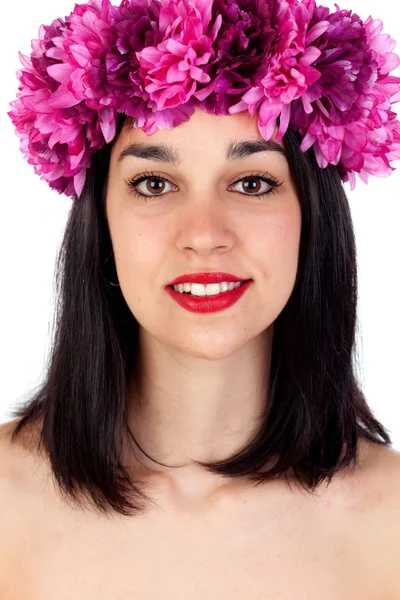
{"x": 228, "y": 136}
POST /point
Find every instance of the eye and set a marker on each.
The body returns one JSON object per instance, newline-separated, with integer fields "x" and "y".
{"x": 265, "y": 178}
{"x": 155, "y": 183}
{"x": 134, "y": 183}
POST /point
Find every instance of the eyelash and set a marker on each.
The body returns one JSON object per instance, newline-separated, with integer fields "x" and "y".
{"x": 132, "y": 183}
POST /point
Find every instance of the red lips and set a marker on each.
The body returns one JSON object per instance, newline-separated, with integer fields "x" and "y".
{"x": 208, "y": 304}
{"x": 206, "y": 278}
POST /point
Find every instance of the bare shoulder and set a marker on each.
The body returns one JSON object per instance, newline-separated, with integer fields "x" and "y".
{"x": 389, "y": 462}
{"x": 382, "y": 477}
{"x": 11, "y": 472}
{"x": 16, "y": 456}
{"x": 21, "y": 464}
{"x": 14, "y": 459}
{"x": 376, "y": 501}
{"x": 21, "y": 475}
{"x": 378, "y": 482}
{"x": 10, "y": 510}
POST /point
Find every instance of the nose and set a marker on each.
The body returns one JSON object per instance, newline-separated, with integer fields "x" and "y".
{"x": 205, "y": 225}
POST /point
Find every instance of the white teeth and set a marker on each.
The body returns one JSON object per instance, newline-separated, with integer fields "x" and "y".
{"x": 211, "y": 289}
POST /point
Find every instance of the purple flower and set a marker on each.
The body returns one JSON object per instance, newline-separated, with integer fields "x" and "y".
{"x": 52, "y": 141}
{"x": 340, "y": 100}
{"x": 327, "y": 74}
{"x": 353, "y": 126}
{"x": 81, "y": 53}
{"x": 288, "y": 67}
{"x": 173, "y": 69}
{"x": 245, "y": 38}
{"x": 135, "y": 25}
{"x": 62, "y": 111}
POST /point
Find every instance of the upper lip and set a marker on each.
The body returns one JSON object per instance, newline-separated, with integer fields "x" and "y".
{"x": 206, "y": 278}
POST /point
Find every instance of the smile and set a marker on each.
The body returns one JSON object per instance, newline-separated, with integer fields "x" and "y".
{"x": 211, "y": 289}
{"x": 194, "y": 300}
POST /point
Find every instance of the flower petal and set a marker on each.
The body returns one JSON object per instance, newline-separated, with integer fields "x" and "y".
{"x": 60, "y": 72}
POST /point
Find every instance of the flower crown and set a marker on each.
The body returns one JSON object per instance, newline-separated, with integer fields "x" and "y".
{"x": 326, "y": 74}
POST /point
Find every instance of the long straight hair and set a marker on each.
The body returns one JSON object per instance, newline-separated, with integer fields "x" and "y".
{"x": 315, "y": 412}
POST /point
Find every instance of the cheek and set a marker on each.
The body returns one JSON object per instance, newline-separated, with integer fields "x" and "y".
{"x": 276, "y": 242}
{"x": 138, "y": 249}
{"x": 278, "y": 235}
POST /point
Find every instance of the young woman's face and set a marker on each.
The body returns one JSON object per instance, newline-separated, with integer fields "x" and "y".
{"x": 200, "y": 214}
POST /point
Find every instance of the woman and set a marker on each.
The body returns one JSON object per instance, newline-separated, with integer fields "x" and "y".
{"x": 194, "y": 438}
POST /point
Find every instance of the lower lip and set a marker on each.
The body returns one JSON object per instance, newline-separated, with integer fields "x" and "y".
{"x": 207, "y": 304}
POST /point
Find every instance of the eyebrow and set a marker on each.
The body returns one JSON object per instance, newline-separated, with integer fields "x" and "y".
{"x": 168, "y": 154}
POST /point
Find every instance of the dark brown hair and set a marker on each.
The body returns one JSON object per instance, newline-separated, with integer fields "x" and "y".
{"x": 315, "y": 411}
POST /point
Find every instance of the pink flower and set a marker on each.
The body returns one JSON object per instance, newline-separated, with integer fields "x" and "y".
{"x": 327, "y": 74}
{"x": 288, "y": 68}
{"x": 354, "y": 129}
{"x": 81, "y": 68}
{"x": 173, "y": 70}
{"x": 52, "y": 141}
{"x": 62, "y": 111}
{"x": 245, "y": 38}
{"x": 328, "y": 77}
{"x": 135, "y": 25}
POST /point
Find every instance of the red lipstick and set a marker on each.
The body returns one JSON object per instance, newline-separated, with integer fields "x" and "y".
{"x": 206, "y": 278}
{"x": 207, "y": 304}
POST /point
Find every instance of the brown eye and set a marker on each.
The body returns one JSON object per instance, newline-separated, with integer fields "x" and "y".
{"x": 253, "y": 184}
{"x": 148, "y": 185}
{"x": 154, "y": 184}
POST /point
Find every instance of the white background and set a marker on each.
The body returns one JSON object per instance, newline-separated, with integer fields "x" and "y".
{"x": 33, "y": 218}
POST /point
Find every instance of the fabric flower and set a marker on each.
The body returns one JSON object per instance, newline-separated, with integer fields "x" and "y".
{"x": 135, "y": 25}
{"x": 345, "y": 112}
{"x": 326, "y": 74}
{"x": 52, "y": 141}
{"x": 80, "y": 69}
{"x": 173, "y": 69}
{"x": 354, "y": 122}
{"x": 245, "y": 38}
{"x": 288, "y": 68}
{"x": 61, "y": 113}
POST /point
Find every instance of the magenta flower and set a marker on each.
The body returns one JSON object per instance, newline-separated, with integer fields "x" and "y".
{"x": 353, "y": 126}
{"x": 245, "y": 38}
{"x": 327, "y": 74}
{"x": 288, "y": 68}
{"x": 341, "y": 105}
{"x": 52, "y": 141}
{"x": 81, "y": 70}
{"x": 173, "y": 69}
{"x": 62, "y": 111}
{"x": 135, "y": 25}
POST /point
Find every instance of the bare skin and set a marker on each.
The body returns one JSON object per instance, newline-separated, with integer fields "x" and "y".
{"x": 248, "y": 543}
{"x": 203, "y": 378}
{"x": 202, "y": 388}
